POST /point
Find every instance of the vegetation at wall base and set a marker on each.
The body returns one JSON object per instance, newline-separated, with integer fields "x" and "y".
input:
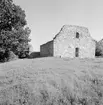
{"x": 99, "y": 48}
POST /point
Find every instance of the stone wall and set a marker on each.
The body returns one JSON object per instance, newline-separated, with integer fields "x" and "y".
{"x": 65, "y": 42}
{"x": 46, "y": 49}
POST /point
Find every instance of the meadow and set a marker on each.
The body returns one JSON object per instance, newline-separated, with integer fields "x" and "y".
{"x": 52, "y": 81}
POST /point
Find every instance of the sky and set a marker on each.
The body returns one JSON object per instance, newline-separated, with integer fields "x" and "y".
{"x": 45, "y": 18}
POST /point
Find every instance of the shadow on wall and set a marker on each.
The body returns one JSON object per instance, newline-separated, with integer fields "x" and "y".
{"x": 34, "y": 55}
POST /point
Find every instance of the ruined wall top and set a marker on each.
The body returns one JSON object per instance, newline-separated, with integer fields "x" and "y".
{"x": 67, "y": 28}
{"x": 75, "y": 27}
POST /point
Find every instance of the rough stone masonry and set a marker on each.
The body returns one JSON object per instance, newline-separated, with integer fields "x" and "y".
{"x": 72, "y": 41}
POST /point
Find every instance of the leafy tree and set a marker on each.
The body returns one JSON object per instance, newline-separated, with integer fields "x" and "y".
{"x": 14, "y": 36}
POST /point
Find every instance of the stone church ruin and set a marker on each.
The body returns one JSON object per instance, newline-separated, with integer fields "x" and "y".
{"x": 72, "y": 41}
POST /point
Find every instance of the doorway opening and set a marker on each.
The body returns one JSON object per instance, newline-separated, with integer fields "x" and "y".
{"x": 77, "y": 35}
{"x": 76, "y": 52}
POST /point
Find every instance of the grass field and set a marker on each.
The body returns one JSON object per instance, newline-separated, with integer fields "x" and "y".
{"x": 52, "y": 81}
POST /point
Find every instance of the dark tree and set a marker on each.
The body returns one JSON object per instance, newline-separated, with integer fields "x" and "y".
{"x": 13, "y": 34}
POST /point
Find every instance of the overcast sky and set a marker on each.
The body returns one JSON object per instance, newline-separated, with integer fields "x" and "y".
{"x": 46, "y": 17}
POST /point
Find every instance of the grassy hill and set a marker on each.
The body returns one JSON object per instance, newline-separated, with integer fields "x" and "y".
{"x": 52, "y": 81}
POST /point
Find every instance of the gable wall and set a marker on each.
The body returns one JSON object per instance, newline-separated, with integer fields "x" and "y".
{"x": 66, "y": 42}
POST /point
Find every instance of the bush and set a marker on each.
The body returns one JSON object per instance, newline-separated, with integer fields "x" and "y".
{"x": 99, "y": 48}
{"x": 11, "y": 56}
{"x": 34, "y": 55}
{"x": 7, "y": 56}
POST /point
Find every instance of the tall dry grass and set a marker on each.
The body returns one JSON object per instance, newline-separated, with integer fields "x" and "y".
{"x": 52, "y": 82}
{"x": 84, "y": 90}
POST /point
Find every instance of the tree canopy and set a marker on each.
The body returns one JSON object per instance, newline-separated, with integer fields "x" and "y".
{"x": 14, "y": 36}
